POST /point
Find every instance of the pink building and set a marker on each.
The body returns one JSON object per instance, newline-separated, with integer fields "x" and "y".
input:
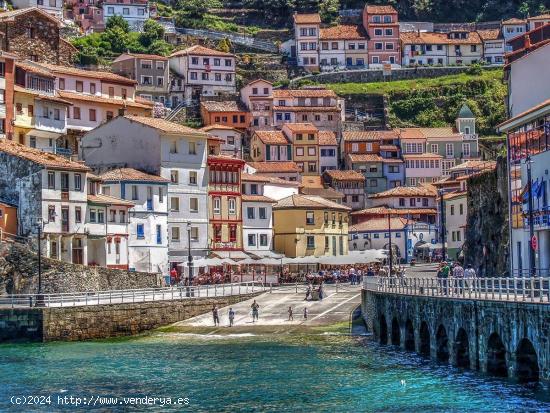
{"x": 87, "y": 14}
{"x": 382, "y": 25}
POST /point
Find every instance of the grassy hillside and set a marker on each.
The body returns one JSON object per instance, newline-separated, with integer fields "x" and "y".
{"x": 436, "y": 101}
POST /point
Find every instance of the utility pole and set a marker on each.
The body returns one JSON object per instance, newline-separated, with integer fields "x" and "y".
{"x": 532, "y": 262}
{"x": 391, "y": 250}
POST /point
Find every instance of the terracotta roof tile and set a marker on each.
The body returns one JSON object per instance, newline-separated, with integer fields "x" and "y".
{"x": 130, "y": 174}
{"x": 94, "y": 74}
{"x": 272, "y": 137}
{"x": 366, "y": 157}
{"x": 545, "y": 16}
{"x": 411, "y": 133}
{"x": 358, "y": 136}
{"x": 218, "y": 126}
{"x": 490, "y": 34}
{"x": 384, "y": 210}
{"x": 100, "y": 99}
{"x": 312, "y": 182}
{"x": 308, "y": 201}
{"x": 311, "y": 18}
{"x": 542, "y": 105}
{"x": 327, "y": 193}
{"x": 407, "y": 191}
{"x": 379, "y": 9}
{"x": 389, "y": 148}
{"x": 201, "y": 51}
{"x": 34, "y": 68}
{"x": 301, "y": 127}
{"x": 437, "y": 38}
{"x": 303, "y": 93}
{"x": 257, "y": 198}
{"x": 109, "y": 200}
{"x": 381, "y": 224}
{"x": 223, "y": 106}
{"x": 453, "y": 195}
{"x": 141, "y": 56}
{"x": 307, "y": 108}
{"x": 427, "y": 155}
{"x": 514, "y": 20}
{"x": 8, "y": 15}
{"x": 274, "y": 167}
{"x": 392, "y": 160}
{"x": 475, "y": 165}
{"x": 166, "y": 126}
{"x": 327, "y": 138}
{"x": 46, "y": 159}
{"x": 443, "y": 132}
{"x": 347, "y": 175}
{"x": 267, "y": 180}
{"x": 344, "y": 32}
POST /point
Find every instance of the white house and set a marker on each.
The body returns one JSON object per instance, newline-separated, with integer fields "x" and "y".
{"x": 456, "y": 211}
{"x": 512, "y": 28}
{"x": 328, "y": 151}
{"x": 257, "y": 218}
{"x": 306, "y": 34}
{"x": 134, "y": 12}
{"x": 53, "y": 7}
{"x": 169, "y": 150}
{"x": 273, "y": 188}
{"x": 148, "y": 219}
{"x": 231, "y": 139}
{"x": 205, "y": 72}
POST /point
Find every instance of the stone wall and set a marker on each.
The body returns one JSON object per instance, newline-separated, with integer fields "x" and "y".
{"x": 369, "y": 75}
{"x": 479, "y": 320}
{"x": 19, "y": 274}
{"x": 102, "y": 321}
{"x": 486, "y": 245}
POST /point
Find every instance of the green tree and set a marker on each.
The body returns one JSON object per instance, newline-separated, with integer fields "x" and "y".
{"x": 152, "y": 32}
{"x": 160, "y": 47}
{"x": 224, "y": 45}
{"x": 117, "y": 21}
{"x": 328, "y": 10}
{"x": 117, "y": 38}
{"x": 524, "y": 9}
{"x": 193, "y": 8}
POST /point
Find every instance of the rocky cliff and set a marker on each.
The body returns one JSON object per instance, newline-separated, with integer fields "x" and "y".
{"x": 19, "y": 274}
{"x": 487, "y": 239}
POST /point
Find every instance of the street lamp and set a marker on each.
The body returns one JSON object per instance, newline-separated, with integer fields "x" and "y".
{"x": 443, "y": 229}
{"x": 189, "y": 256}
{"x": 532, "y": 244}
{"x": 391, "y": 252}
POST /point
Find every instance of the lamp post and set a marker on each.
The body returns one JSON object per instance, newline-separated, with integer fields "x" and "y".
{"x": 391, "y": 250}
{"x": 443, "y": 229}
{"x": 189, "y": 259}
{"x": 532, "y": 263}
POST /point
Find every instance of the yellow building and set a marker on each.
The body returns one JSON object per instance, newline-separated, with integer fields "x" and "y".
{"x": 305, "y": 146}
{"x": 310, "y": 225}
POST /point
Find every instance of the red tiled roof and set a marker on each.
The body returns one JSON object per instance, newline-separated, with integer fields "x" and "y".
{"x": 274, "y": 167}
{"x": 379, "y": 9}
{"x": 437, "y": 38}
{"x": 407, "y": 191}
{"x": 272, "y": 137}
{"x": 94, "y": 74}
{"x": 489, "y": 34}
{"x": 257, "y": 198}
{"x": 366, "y": 157}
{"x": 308, "y": 201}
{"x": 545, "y": 16}
{"x": 344, "y": 32}
{"x": 267, "y": 179}
{"x": 453, "y": 195}
{"x": 100, "y": 99}
{"x": 411, "y": 133}
{"x": 540, "y": 106}
{"x": 9, "y": 15}
{"x": 165, "y": 126}
{"x": 301, "y": 127}
{"x": 327, "y": 193}
{"x": 33, "y": 67}
{"x": 201, "y": 51}
{"x": 218, "y": 126}
{"x": 46, "y": 159}
{"x": 358, "y": 136}
{"x": 303, "y": 93}
{"x": 141, "y": 56}
{"x": 223, "y": 106}
{"x": 384, "y": 210}
{"x": 311, "y": 18}
{"x": 381, "y": 224}
{"x": 306, "y": 108}
{"x": 389, "y": 148}
{"x": 109, "y": 200}
{"x": 327, "y": 138}
{"x": 422, "y": 156}
{"x": 475, "y": 164}
{"x": 514, "y": 20}
{"x": 347, "y": 175}
{"x": 130, "y": 174}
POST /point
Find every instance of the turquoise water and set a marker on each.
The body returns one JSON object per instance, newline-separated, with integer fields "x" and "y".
{"x": 269, "y": 373}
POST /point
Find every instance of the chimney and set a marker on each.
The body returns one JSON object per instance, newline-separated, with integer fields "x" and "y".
{"x": 527, "y": 42}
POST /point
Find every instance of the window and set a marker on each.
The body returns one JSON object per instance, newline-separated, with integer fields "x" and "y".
{"x": 61, "y": 83}
{"x": 174, "y": 204}
{"x": 194, "y": 234}
{"x": 56, "y": 114}
{"x": 310, "y": 242}
{"x": 193, "y": 75}
{"x": 79, "y": 86}
{"x": 161, "y": 195}
{"x": 262, "y": 213}
{"x": 388, "y": 32}
{"x": 192, "y": 148}
{"x": 194, "y": 204}
{"x": 174, "y": 176}
{"x": 112, "y": 215}
{"x": 76, "y": 112}
{"x": 389, "y": 46}
{"x": 77, "y": 215}
{"x": 92, "y": 115}
{"x": 310, "y": 217}
{"x": 311, "y": 151}
{"x": 375, "y": 59}
{"x": 378, "y": 46}
{"x": 299, "y": 151}
{"x": 31, "y": 32}
{"x": 401, "y": 202}
{"x": 232, "y": 206}
{"x": 135, "y": 193}
{"x": 140, "y": 231}
{"x": 461, "y": 209}
{"x": 100, "y": 216}
{"x": 378, "y": 32}
{"x": 122, "y": 217}
{"x": 64, "y": 182}
{"x": 473, "y": 48}
{"x": 263, "y": 240}
{"x": 434, "y": 148}
{"x": 92, "y": 214}
{"x": 251, "y": 240}
{"x": 77, "y": 182}
{"x": 192, "y": 178}
{"x": 51, "y": 180}
{"x": 250, "y": 213}
{"x": 217, "y": 205}
{"x": 51, "y": 213}
{"x": 175, "y": 234}
{"x": 126, "y": 11}
{"x": 159, "y": 234}
{"x": 449, "y": 149}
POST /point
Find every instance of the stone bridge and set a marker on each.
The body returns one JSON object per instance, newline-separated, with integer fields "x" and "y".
{"x": 500, "y": 337}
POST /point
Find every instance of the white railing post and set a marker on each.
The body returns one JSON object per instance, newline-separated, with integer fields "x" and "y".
{"x": 507, "y": 289}
{"x": 499, "y": 288}
{"x": 532, "y": 288}
{"x": 523, "y": 288}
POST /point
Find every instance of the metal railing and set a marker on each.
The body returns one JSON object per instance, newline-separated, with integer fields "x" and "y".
{"x": 130, "y": 296}
{"x": 532, "y": 290}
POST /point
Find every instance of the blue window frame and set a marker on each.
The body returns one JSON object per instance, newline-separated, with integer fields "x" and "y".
{"x": 159, "y": 234}
{"x": 140, "y": 231}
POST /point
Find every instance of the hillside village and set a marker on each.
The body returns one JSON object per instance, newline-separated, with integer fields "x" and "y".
{"x": 161, "y": 159}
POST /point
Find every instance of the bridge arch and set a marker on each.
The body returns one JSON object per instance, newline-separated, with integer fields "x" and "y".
{"x": 424, "y": 348}
{"x": 442, "y": 344}
{"x": 395, "y": 332}
{"x": 409, "y": 335}
{"x": 527, "y": 363}
{"x": 462, "y": 349}
{"x": 496, "y": 356}
{"x": 383, "y": 331}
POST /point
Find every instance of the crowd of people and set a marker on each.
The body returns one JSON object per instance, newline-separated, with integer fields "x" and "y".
{"x": 453, "y": 277}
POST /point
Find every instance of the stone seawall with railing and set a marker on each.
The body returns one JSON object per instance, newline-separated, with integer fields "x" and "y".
{"x": 104, "y": 320}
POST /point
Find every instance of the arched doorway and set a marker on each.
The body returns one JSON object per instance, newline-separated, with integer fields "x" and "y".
{"x": 395, "y": 332}
{"x": 496, "y": 356}
{"x": 409, "y": 336}
{"x": 424, "y": 339}
{"x": 383, "y": 330}
{"x": 442, "y": 344}
{"x": 527, "y": 362}
{"x": 462, "y": 348}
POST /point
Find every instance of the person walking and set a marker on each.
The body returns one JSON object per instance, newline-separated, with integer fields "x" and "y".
{"x": 305, "y": 313}
{"x": 308, "y": 292}
{"x": 445, "y": 277}
{"x": 231, "y": 316}
{"x": 215, "y": 315}
{"x": 458, "y": 275}
{"x": 290, "y": 314}
{"x": 469, "y": 277}
{"x": 255, "y": 307}
{"x": 321, "y": 292}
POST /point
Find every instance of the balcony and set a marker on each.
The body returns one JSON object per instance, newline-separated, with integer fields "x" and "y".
{"x": 469, "y": 137}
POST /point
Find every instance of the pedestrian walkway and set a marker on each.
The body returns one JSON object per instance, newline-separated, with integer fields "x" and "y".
{"x": 335, "y": 307}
